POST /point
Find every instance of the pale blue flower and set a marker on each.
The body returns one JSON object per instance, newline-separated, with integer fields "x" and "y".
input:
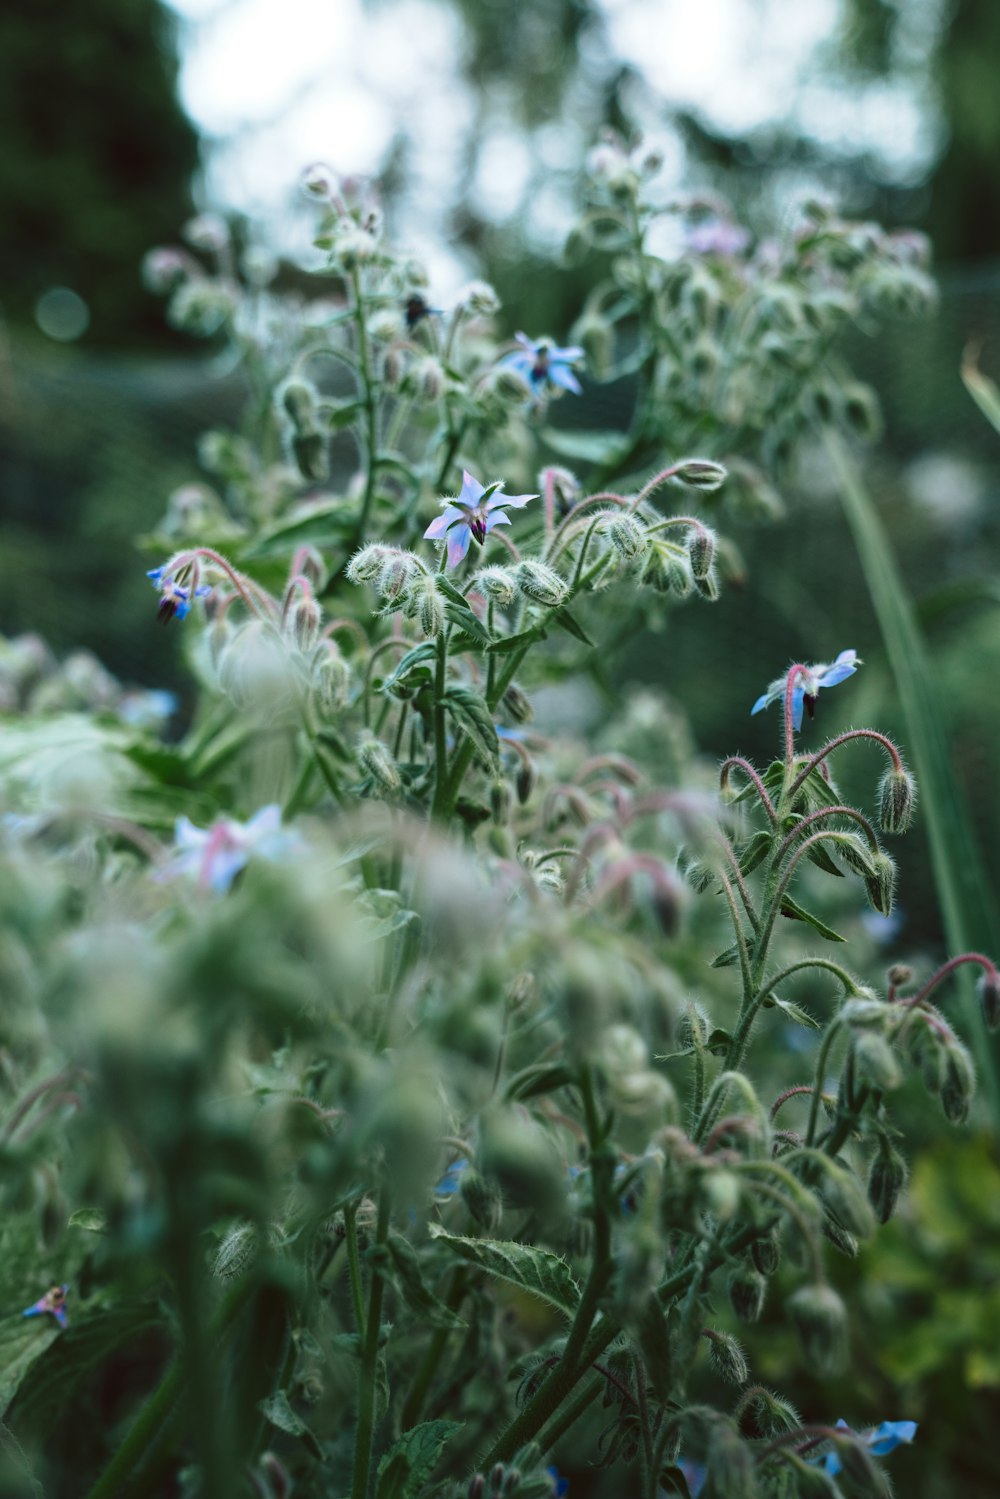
{"x": 540, "y": 362}
{"x": 175, "y": 598}
{"x": 473, "y": 514}
{"x": 878, "y": 1439}
{"x": 808, "y": 685}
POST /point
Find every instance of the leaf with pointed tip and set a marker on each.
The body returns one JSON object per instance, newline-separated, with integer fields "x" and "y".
{"x": 470, "y": 711}
{"x": 408, "y": 1276}
{"x": 409, "y": 1462}
{"x": 537, "y": 1271}
{"x": 796, "y": 912}
{"x": 565, "y": 620}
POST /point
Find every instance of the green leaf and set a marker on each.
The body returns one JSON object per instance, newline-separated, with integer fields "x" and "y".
{"x": 317, "y": 524}
{"x": 819, "y": 856}
{"x": 963, "y": 886}
{"x": 47, "y": 1377}
{"x": 719, "y": 1042}
{"x": 466, "y": 620}
{"x": 727, "y": 958}
{"x": 505, "y": 645}
{"x": 278, "y": 1411}
{"x": 341, "y": 415}
{"x": 543, "y": 1077}
{"x": 563, "y": 618}
{"x": 982, "y": 389}
{"x": 473, "y": 717}
{"x": 592, "y": 447}
{"x": 409, "y": 1463}
{"x": 91, "y": 1219}
{"x": 794, "y": 1012}
{"x": 755, "y": 851}
{"x": 409, "y": 1278}
{"x": 796, "y": 912}
{"x": 420, "y": 655}
{"x": 537, "y": 1271}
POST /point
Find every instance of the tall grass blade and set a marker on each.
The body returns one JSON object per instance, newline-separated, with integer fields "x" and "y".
{"x": 969, "y": 911}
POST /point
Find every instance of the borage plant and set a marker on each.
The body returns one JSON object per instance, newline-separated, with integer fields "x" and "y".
{"x": 403, "y": 1139}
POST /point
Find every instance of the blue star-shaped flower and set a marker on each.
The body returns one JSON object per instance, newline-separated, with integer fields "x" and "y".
{"x": 806, "y": 686}
{"x": 540, "y": 362}
{"x": 473, "y": 514}
{"x": 52, "y": 1304}
{"x": 879, "y": 1440}
{"x": 175, "y": 598}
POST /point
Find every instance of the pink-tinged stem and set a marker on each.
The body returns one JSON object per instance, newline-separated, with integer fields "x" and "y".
{"x": 663, "y": 477}
{"x": 569, "y": 524}
{"x": 244, "y": 586}
{"x": 297, "y": 582}
{"x": 985, "y": 963}
{"x": 820, "y": 756}
{"x": 794, "y": 672}
{"x": 739, "y": 763}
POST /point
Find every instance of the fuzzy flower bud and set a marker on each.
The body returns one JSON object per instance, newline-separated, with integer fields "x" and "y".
{"x": 318, "y": 180}
{"x": 428, "y": 378}
{"x": 876, "y": 1063}
{"x": 701, "y": 473}
{"x": 479, "y": 299}
{"x": 766, "y": 1253}
{"x": 726, "y": 1356}
{"x": 747, "y": 1289}
{"x": 821, "y": 1322}
{"x": 497, "y": 584}
{"x": 886, "y": 1180}
{"x": 627, "y": 537}
{"x": 708, "y": 586}
{"x": 303, "y": 621}
{"x": 426, "y": 603}
{"x": 845, "y": 1200}
{"x": 509, "y": 384}
{"x": 541, "y": 584}
{"x": 701, "y": 552}
{"x": 331, "y": 683}
{"x": 958, "y": 1082}
{"x": 729, "y": 1465}
{"x": 524, "y": 785}
{"x": 206, "y": 232}
{"x": 896, "y": 795}
{"x": 376, "y": 761}
{"x": 517, "y": 704}
{"x": 500, "y": 803}
{"x": 297, "y": 398}
{"x": 760, "y": 1413}
{"x": 988, "y": 990}
{"x": 311, "y": 454}
{"x": 365, "y": 566}
{"x": 881, "y": 884}
{"x": 395, "y": 576}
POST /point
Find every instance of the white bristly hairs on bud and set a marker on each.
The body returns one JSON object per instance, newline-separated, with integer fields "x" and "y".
{"x": 366, "y": 565}
{"x": 478, "y": 298}
{"x": 376, "y": 761}
{"x": 497, "y": 584}
{"x": 701, "y": 473}
{"x": 426, "y": 603}
{"x": 627, "y": 536}
{"x": 541, "y": 584}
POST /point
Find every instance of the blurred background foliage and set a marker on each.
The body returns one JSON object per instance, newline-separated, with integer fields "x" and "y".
{"x": 98, "y": 426}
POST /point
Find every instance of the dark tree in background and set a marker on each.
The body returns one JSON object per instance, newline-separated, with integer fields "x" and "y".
{"x": 98, "y": 157}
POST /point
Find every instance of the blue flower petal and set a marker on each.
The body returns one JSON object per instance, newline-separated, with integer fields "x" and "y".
{"x": 890, "y": 1435}
{"x": 459, "y": 538}
{"x": 561, "y": 374}
{"x": 763, "y": 701}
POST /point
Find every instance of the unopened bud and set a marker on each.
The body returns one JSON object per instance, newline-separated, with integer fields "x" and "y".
{"x": 730, "y": 1468}
{"x": 482, "y": 1199}
{"x": 366, "y": 565}
{"x": 541, "y": 584}
{"x": 303, "y": 621}
{"x": 899, "y": 975}
{"x": 509, "y": 384}
{"x": 393, "y": 367}
{"x": 500, "y": 803}
{"x": 886, "y": 1180}
{"x": 376, "y": 761}
{"x": 701, "y": 551}
{"x": 207, "y": 232}
{"x": 896, "y": 796}
{"x": 821, "y": 1322}
{"x": 595, "y": 336}
{"x": 627, "y": 537}
{"x": 701, "y": 473}
{"x": 277, "y": 1476}
{"x": 881, "y": 885}
{"x": 958, "y": 1082}
{"x": 331, "y": 682}
{"x": 429, "y": 605}
{"x": 760, "y": 1413}
{"x": 318, "y": 180}
{"x": 766, "y": 1252}
{"x": 524, "y": 784}
{"x": 727, "y": 1357}
{"x": 747, "y": 1289}
{"x": 428, "y": 377}
{"x": 708, "y": 586}
{"x": 876, "y": 1063}
{"x": 395, "y": 575}
{"x": 479, "y": 298}
{"x": 845, "y": 1200}
{"x": 517, "y": 704}
{"x": 311, "y": 454}
{"x": 497, "y": 584}
{"x": 860, "y": 412}
{"x": 988, "y": 990}
{"x": 297, "y": 398}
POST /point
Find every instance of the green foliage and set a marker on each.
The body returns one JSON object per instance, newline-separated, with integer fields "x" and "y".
{"x": 393, "y": 1108}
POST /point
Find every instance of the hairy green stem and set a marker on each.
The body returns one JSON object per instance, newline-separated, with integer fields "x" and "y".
{"x": 368, "y": 1371}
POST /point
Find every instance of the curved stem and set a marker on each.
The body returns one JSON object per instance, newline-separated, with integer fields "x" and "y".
{"x": 739, "y": 763}
{"x": 821, "y": 755}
